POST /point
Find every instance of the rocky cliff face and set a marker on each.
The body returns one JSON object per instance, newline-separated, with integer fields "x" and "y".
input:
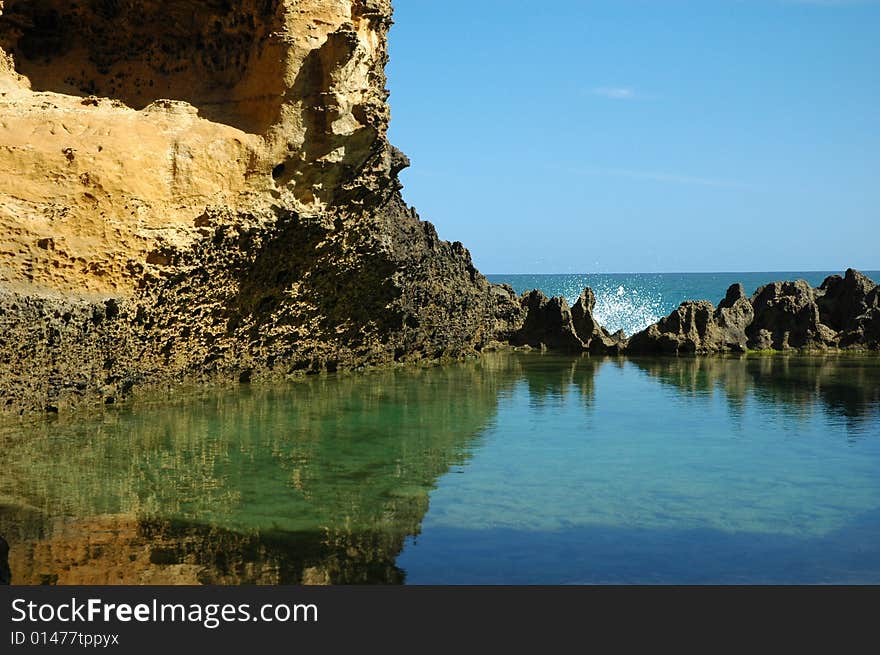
{"x": 195, "y": 190}
{"x": 124, "y": 120}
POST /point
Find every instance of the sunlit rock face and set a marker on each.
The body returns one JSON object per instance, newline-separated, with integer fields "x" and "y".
{"x": 199, "y": 191}
{"x": 122, "y": 120}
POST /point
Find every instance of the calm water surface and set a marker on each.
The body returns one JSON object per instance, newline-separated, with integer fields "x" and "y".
{"x": 518, "y": 468}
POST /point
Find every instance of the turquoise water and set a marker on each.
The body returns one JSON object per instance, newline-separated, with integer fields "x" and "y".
{"x": 669, "y": 471}
{"x": 633, "y": 301}
{"x": 515, "y": 468}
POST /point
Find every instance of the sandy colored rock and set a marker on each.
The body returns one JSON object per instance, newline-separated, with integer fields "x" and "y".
{"x": 204, "y": 191}
{"x": 121, "y": 123}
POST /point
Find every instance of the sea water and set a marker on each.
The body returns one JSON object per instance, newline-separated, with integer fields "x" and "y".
{"x": 513, "y": 468}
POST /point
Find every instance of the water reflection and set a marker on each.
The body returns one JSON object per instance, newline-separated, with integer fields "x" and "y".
{"x": 846, "y": 386}
{"x": 326, "y": 481}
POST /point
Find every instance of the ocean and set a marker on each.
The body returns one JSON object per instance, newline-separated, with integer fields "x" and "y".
{"x": 633, "y": 301}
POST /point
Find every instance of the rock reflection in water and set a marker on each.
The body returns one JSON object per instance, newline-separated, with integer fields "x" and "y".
{"x": 317, "y": 481}
{"x": 847, "y": 386}
{"x": 323, "y": 481}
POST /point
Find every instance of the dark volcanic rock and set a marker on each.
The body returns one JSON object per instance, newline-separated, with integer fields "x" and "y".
{"x": 548, "y": 323}
{"x": 5, "y": 573}
{"x": 787, "y": 317}
{"x": 596, "y": 338}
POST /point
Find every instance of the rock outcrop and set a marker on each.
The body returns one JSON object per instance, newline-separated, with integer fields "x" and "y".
{"x": 787, "y": 317}
{"x": 851, "y": 306}
{"x": 843, "y": 313}
{"x": 698, "y": 327}
{"x": 196, "y": 191}
{"x": 596, "y": 339}
{"x": 550, "y": 323}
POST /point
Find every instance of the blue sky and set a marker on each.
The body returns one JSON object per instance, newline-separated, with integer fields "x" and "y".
{"x": 640, "y": 136}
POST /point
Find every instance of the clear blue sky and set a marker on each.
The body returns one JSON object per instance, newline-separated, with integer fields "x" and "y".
{"x": 639, "y": 136}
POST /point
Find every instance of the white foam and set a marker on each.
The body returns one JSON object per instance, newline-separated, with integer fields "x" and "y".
{"x": 627, "y": 308}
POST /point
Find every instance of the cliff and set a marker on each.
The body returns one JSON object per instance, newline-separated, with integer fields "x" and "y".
{"x": 203, "y": 190}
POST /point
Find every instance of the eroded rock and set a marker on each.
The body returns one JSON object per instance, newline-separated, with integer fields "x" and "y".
{"x": 698, "y": 327}
{"x": 787, "y": 317}
{"x": 121, "y": 122}
{"x": 204, "y": 191}
{"x": 842, "y": 300}
{"x": 548, "y": 323}
{"x": 595, "y": 338}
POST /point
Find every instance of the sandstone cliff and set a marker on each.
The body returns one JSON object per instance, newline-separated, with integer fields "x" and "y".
{"x": 203, "y": 189}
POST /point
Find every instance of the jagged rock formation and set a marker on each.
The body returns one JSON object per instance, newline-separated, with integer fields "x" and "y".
{"x": 851, "y": 306}
{"x": 549, "y": 323}
{"x": 195, "y": 191}
{"x": 698, "y": 327}
{"x": 595, "y": 338}
{"x": 841, "y": 313}
{"x": 786, "y": 317}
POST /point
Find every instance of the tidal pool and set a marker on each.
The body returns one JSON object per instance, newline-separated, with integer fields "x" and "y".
{"x": 512, "y": 469}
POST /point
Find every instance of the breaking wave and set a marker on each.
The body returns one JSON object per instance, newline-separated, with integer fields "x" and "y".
{"x": 630, "y": 309}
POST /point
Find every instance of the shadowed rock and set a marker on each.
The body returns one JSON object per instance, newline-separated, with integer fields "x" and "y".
{"x": 842, "y": 300}
{"x": 548, "y": 323}
{"x": 508, "y": 312}
{"x": 864, "y": 330}
{"x": 596, "y": 338}
{"x": 686, "y": 330}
